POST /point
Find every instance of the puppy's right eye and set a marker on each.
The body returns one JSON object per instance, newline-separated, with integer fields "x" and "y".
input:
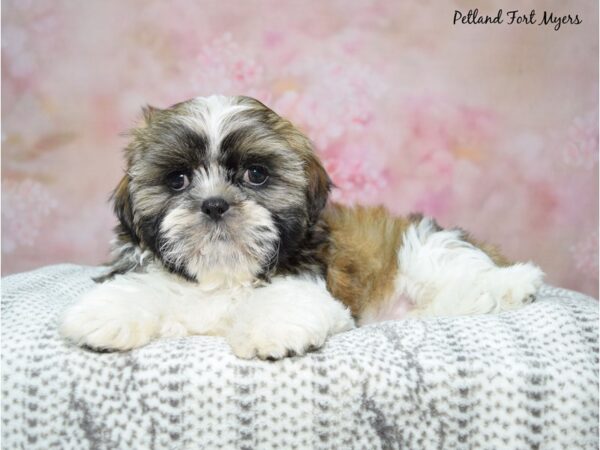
{"x": 178, "y": 181}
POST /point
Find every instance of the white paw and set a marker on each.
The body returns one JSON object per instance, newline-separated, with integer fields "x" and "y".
{"x": 286, "y": 318}
{"x": 491, "y": 291}
{"x": 516, "y": 285}
{"x": 172, "y": 329}
{"x": 274, "y": 341}
{"x": 103, "y": 320}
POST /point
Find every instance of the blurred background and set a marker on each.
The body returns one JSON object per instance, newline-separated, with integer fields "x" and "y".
{"x": 490, "y": 127}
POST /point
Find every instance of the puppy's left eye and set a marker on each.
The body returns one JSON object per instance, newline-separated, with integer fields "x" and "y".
{"x": 178, "y": 181}
{"x": 256, "y": 175}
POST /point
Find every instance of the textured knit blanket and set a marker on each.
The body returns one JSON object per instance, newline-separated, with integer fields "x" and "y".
{"x": 523, "y": 379}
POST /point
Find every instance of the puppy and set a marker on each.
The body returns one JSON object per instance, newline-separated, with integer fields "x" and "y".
{"x": 225, "y": 229}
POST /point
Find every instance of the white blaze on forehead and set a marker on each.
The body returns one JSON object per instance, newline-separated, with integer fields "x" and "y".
{"x": 213, "y": 117}
{"x": 217, "y": 116}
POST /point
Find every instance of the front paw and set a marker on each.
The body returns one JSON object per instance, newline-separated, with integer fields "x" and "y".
{"x": 104, "y": 321}
{"x": 284, "y": 319}
{"x": 273, "y": 341}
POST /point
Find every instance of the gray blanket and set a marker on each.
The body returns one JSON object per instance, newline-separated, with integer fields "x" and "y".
{"x": 523, "y": 379}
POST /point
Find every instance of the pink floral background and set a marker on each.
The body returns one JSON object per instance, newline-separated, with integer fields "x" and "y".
{"x": 491, "y": 127}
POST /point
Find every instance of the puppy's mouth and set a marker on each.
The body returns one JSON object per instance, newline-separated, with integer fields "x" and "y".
{"x": 219, "y": 230}
{"x": 222, "y": 224}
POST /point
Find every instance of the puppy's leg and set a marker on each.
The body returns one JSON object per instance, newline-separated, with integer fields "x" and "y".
{"x": 446, "y": 275}
{"x": 132, "y": 309}
{"x": 289, "y": 315}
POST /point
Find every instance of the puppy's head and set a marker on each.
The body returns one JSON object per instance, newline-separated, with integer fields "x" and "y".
{"x": 220, "y": 188}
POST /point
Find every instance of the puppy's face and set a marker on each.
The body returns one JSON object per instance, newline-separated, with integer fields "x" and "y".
{"x": 220, "y": 188}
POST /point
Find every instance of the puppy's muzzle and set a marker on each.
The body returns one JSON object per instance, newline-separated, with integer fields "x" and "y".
{"x": 214, "y": 207}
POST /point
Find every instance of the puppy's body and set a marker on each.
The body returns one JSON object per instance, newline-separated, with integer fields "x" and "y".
{"x": 225, "y": 229}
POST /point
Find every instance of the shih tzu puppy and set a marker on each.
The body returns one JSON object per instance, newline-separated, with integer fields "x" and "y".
{"x": 225, "y": 229}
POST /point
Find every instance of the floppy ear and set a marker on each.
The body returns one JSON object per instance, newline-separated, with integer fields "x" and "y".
{"x": 122, "y": 208}
{"x": 319, "y": 185}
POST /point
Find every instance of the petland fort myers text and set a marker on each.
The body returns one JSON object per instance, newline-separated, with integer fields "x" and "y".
{"x": 515, "y": 16}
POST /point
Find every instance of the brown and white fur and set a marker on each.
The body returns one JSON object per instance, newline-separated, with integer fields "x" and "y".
{"x": 225, "y": 229}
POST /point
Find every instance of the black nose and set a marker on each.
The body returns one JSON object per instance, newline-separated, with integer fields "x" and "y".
{"x": 214, "y": 207}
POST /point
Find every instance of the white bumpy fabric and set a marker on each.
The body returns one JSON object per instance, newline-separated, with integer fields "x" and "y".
{"x": 522, "y": 379}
